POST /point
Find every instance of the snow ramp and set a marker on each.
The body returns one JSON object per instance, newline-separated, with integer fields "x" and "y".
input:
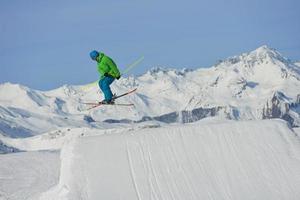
{"x": 208, "y": 161}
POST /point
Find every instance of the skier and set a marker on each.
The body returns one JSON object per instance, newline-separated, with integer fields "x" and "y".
{"x": 108, "y": 71}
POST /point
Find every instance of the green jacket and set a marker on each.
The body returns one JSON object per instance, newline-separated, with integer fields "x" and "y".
{"x": 107, "y": 65}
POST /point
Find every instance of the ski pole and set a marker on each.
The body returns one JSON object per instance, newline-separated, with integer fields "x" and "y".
{"x": 132, "y": 65}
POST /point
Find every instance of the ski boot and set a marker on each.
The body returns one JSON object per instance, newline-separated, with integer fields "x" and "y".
{"x": 111, "y": 102}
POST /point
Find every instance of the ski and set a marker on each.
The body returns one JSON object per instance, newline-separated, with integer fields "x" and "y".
{"x": 126, "y": 93}
{"x": 94, "y": 105}
{"x": 115, "y": 104}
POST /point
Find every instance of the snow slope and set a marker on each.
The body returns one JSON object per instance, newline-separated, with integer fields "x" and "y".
{"x": 206, "y": 160}
{"x": 26, "y": 175}
{"x": 54, "y": 140}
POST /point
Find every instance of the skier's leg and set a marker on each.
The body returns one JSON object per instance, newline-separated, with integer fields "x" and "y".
{"x": 101, "y": 83}
{"x": 104, "y": 85}
{"x": 110, "y": 80}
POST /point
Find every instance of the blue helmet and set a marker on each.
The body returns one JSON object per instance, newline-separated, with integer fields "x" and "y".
{"x": 94, "y": 54}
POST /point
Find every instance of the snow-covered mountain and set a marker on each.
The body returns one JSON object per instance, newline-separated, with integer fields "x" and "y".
{"x": 256, "y": 85}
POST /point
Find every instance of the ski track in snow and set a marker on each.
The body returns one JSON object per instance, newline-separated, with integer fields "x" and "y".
{"x": 220, "y": 161}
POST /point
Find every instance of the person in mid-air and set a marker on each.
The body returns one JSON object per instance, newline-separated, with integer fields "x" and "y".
{"x": 108, "y": 71}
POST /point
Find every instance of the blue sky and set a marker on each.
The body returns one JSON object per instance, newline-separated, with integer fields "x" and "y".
{"x": 45, "y": 44}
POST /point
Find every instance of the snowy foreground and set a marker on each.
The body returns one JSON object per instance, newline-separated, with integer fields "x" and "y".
{"x": 25, "y": 175}
{"x": 204, "y": 160}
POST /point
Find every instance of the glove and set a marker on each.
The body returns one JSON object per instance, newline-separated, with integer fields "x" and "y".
{"x": 118, "y": 77}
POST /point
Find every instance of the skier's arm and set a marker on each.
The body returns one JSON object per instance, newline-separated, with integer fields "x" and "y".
{"x": 103, "y": 68}
{"x": 112, "y": 65}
